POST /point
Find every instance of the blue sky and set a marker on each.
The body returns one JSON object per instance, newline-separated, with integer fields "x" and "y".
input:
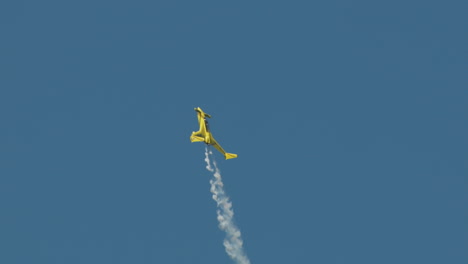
{"x": 349, "y": 119}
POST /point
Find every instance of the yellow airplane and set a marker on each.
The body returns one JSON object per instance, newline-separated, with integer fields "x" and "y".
{"x": 204, "y": 134}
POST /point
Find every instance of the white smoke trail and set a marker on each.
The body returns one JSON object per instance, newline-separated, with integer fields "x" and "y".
{"x": 233, "y": 241}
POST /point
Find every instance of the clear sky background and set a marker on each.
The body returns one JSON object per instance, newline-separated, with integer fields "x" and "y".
{"x": 349, "y": 119}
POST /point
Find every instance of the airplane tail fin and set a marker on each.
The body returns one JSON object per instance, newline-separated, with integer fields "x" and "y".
{"x": 230, "y": 156}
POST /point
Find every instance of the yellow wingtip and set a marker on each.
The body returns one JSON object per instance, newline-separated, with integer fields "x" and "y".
{"x": 230, "y": 156}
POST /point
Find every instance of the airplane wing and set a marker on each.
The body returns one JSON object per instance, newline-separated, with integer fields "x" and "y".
{"x": 218, "y": 147}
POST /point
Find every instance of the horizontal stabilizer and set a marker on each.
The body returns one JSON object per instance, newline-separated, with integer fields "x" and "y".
{"x": 230, "y": 156}
{"x": 196, "y": 139}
